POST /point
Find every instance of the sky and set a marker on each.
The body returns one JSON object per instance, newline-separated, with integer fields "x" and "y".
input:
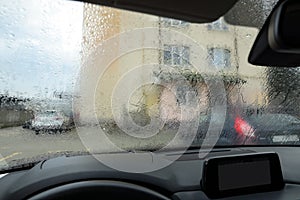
{"x": 40, "y": 46}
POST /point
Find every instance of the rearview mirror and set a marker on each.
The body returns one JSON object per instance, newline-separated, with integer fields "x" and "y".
{"x": 278, "y": 43}
{"x": 284, "y": 29}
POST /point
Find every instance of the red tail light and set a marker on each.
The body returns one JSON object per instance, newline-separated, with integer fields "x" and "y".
{"x": 242, "y": 127}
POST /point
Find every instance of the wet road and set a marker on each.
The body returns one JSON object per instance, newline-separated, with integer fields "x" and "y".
{"x": 17, "y": 143}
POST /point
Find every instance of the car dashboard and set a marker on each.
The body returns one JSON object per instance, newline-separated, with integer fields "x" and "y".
{"x": 84, "y": 176}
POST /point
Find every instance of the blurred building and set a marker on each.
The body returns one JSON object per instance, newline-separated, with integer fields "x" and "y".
{"x": 223, "y": 46}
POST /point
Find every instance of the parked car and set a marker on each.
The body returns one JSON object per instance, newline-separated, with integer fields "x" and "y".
{"x": 276, "y": 128}
{"x": 50, "y": 121}
{"x": 256, "y": 129}
{"x": 261, "y": 129}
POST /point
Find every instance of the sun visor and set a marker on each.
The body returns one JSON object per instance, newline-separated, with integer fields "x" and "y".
{"x": 197, "y": 11}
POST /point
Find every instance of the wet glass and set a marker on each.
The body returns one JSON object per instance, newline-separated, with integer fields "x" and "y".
{"x": 136, "y": 81}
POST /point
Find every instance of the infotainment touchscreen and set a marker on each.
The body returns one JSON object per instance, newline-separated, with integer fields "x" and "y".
{"x": 242, "y": 174}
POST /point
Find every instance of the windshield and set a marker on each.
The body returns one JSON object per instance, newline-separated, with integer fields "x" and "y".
{"x": 77, "y": 77}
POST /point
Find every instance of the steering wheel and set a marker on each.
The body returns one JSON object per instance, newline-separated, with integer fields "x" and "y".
{"x": 99, "y": 189}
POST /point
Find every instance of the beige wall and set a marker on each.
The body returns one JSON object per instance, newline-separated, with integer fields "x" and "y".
{"x": 96, "y": 22}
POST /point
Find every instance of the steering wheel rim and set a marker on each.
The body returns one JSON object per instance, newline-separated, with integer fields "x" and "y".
{"x": 99, "y": 189}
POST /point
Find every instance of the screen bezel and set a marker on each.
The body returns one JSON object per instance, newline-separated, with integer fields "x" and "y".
{"x": 210, "y": 175}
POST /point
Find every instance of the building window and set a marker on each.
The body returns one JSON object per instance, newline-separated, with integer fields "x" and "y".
{"x": 176, "y": 55}
{"x": 174, "y": 22}
{"x": 219, "y": 57}
{"x": 219, "y": 25}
